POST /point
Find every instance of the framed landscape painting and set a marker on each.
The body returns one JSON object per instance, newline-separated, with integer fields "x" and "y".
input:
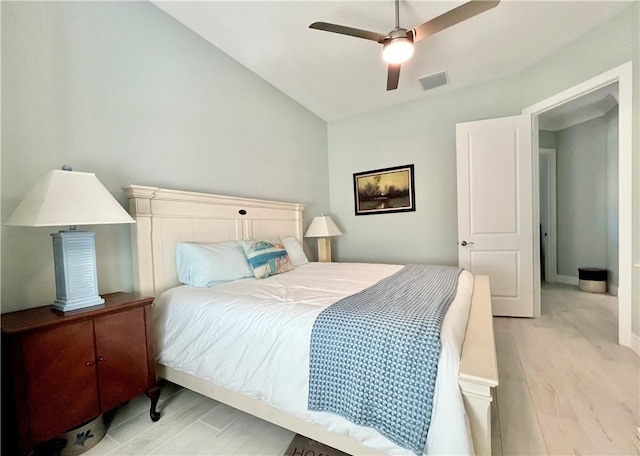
{"x": 384, "y": 190}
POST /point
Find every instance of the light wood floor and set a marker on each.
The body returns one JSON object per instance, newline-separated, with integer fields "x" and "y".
{"x": 565, "y": 388}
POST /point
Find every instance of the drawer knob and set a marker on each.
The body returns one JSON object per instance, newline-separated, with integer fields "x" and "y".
{"x": 102, "y": 358}
{"x": 89, "y": 363}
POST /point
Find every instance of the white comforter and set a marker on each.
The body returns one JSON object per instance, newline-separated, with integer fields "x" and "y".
{"x": 252, "y": 336}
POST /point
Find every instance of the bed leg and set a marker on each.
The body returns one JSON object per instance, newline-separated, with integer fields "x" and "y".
{"x": 477, "y": 401}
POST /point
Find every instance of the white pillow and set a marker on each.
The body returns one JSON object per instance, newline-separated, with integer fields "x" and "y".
{"x": 206, "y": 265}
{"x": 295, "y": 251}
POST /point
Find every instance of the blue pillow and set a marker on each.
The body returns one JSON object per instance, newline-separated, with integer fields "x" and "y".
{"x": 206, "y": 265}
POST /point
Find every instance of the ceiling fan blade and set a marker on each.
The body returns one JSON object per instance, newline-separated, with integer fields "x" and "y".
{"x": 350, "y": 31}
{"x": 453, "y": 17}
{"x": 393, "y": 75}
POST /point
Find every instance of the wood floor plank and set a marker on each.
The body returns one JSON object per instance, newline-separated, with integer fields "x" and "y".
{"x": 192, "y": 440}
{"x": 247, "y": 436}
{"x": 162, "y": 431}
{"x": 104, "y": 447}
{"x": 519, "y": 429}
{"x": 221, "y": 416}
{"x": 584, "y": 387}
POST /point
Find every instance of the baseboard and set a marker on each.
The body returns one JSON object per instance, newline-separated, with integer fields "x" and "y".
{"x": 567, "y": 280}
{"x": 612, "y": 289}
{"x": 635, "y": 344}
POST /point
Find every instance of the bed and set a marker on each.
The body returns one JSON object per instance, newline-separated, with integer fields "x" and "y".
{"x": 166, "y": 217}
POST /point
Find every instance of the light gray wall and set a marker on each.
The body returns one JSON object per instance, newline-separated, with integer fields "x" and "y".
{"x": 573, "y": 232}
{"x": 420, "y": 133}
{"x": 113, "y": 87}
{"x": 547, "y": 139}
{"x": 123, "y": 90}
{"x": 582, "y": 197}
{"x": 423, "y": 132}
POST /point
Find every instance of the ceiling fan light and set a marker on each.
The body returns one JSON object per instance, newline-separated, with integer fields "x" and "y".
{"x": 398, "y": 50}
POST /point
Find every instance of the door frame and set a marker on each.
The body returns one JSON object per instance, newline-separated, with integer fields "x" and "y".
{"x": 623, "y": 76}
{"x": 551, "y": 256}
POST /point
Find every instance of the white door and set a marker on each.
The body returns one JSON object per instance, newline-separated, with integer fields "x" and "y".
{"x": 495, "y": 209}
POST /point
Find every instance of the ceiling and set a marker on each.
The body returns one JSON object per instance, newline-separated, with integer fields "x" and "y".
{"x": 336, "y": 76}
{"x": 589, "y": 106}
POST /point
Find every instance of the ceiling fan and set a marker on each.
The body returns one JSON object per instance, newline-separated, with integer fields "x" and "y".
{"x": 398, "y": 43}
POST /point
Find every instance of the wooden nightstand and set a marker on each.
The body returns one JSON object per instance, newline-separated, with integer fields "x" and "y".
{"x": 60, "y": 370}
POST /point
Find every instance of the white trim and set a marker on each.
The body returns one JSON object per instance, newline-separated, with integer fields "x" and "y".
{"x": 624, "y": 77}
{"x": 551, "y": 267}
{"x": 635, "y": 346}
{"x": 535, "y": 179}
{"x": 479, "y": 366}
{"x": 568, "y": 280}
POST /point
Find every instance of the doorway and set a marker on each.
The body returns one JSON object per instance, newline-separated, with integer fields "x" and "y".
{"x": 584, "y": 132}
{"x": 622, "y": 77}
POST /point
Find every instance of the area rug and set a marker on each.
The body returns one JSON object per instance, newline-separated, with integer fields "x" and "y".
{"x": 304, "y": 446}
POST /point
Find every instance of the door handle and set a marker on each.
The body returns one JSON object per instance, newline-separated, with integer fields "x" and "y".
{"x": 465, "y": 243}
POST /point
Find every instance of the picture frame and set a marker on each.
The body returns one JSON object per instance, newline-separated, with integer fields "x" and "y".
{"x": 383, "y": 191}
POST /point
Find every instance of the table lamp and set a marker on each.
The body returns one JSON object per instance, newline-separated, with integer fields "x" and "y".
{"x": 323, "y": 227}
{"x": 65, "y": 197}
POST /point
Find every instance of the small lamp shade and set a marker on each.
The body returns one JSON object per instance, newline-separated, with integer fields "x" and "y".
{"x": 322, "y": 228}
{"x": 60, "y": 198}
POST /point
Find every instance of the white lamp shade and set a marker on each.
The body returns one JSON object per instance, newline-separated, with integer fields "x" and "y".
{"x": 322, "y": 226}
{"x": 61, "y": 198}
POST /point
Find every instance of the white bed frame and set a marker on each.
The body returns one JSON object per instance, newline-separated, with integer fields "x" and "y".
{"x": 165, "y": 217}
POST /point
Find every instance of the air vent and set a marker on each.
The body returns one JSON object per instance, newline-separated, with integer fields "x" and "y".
{"x": 433, "y": 80}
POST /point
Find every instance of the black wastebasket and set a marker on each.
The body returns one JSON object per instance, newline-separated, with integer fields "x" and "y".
{"x": 593, "y": 280}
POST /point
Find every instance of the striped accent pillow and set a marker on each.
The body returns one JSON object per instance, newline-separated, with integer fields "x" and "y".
{"x": 267, "y": 257}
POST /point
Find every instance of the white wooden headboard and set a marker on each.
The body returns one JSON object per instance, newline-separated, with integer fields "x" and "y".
{"x": 165, "y": 217}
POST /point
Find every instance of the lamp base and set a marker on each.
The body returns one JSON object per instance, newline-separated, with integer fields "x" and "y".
{"x": 74, "y": 255}
{"x": 324, "y": 250}
{"x": 78, "y": 304}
